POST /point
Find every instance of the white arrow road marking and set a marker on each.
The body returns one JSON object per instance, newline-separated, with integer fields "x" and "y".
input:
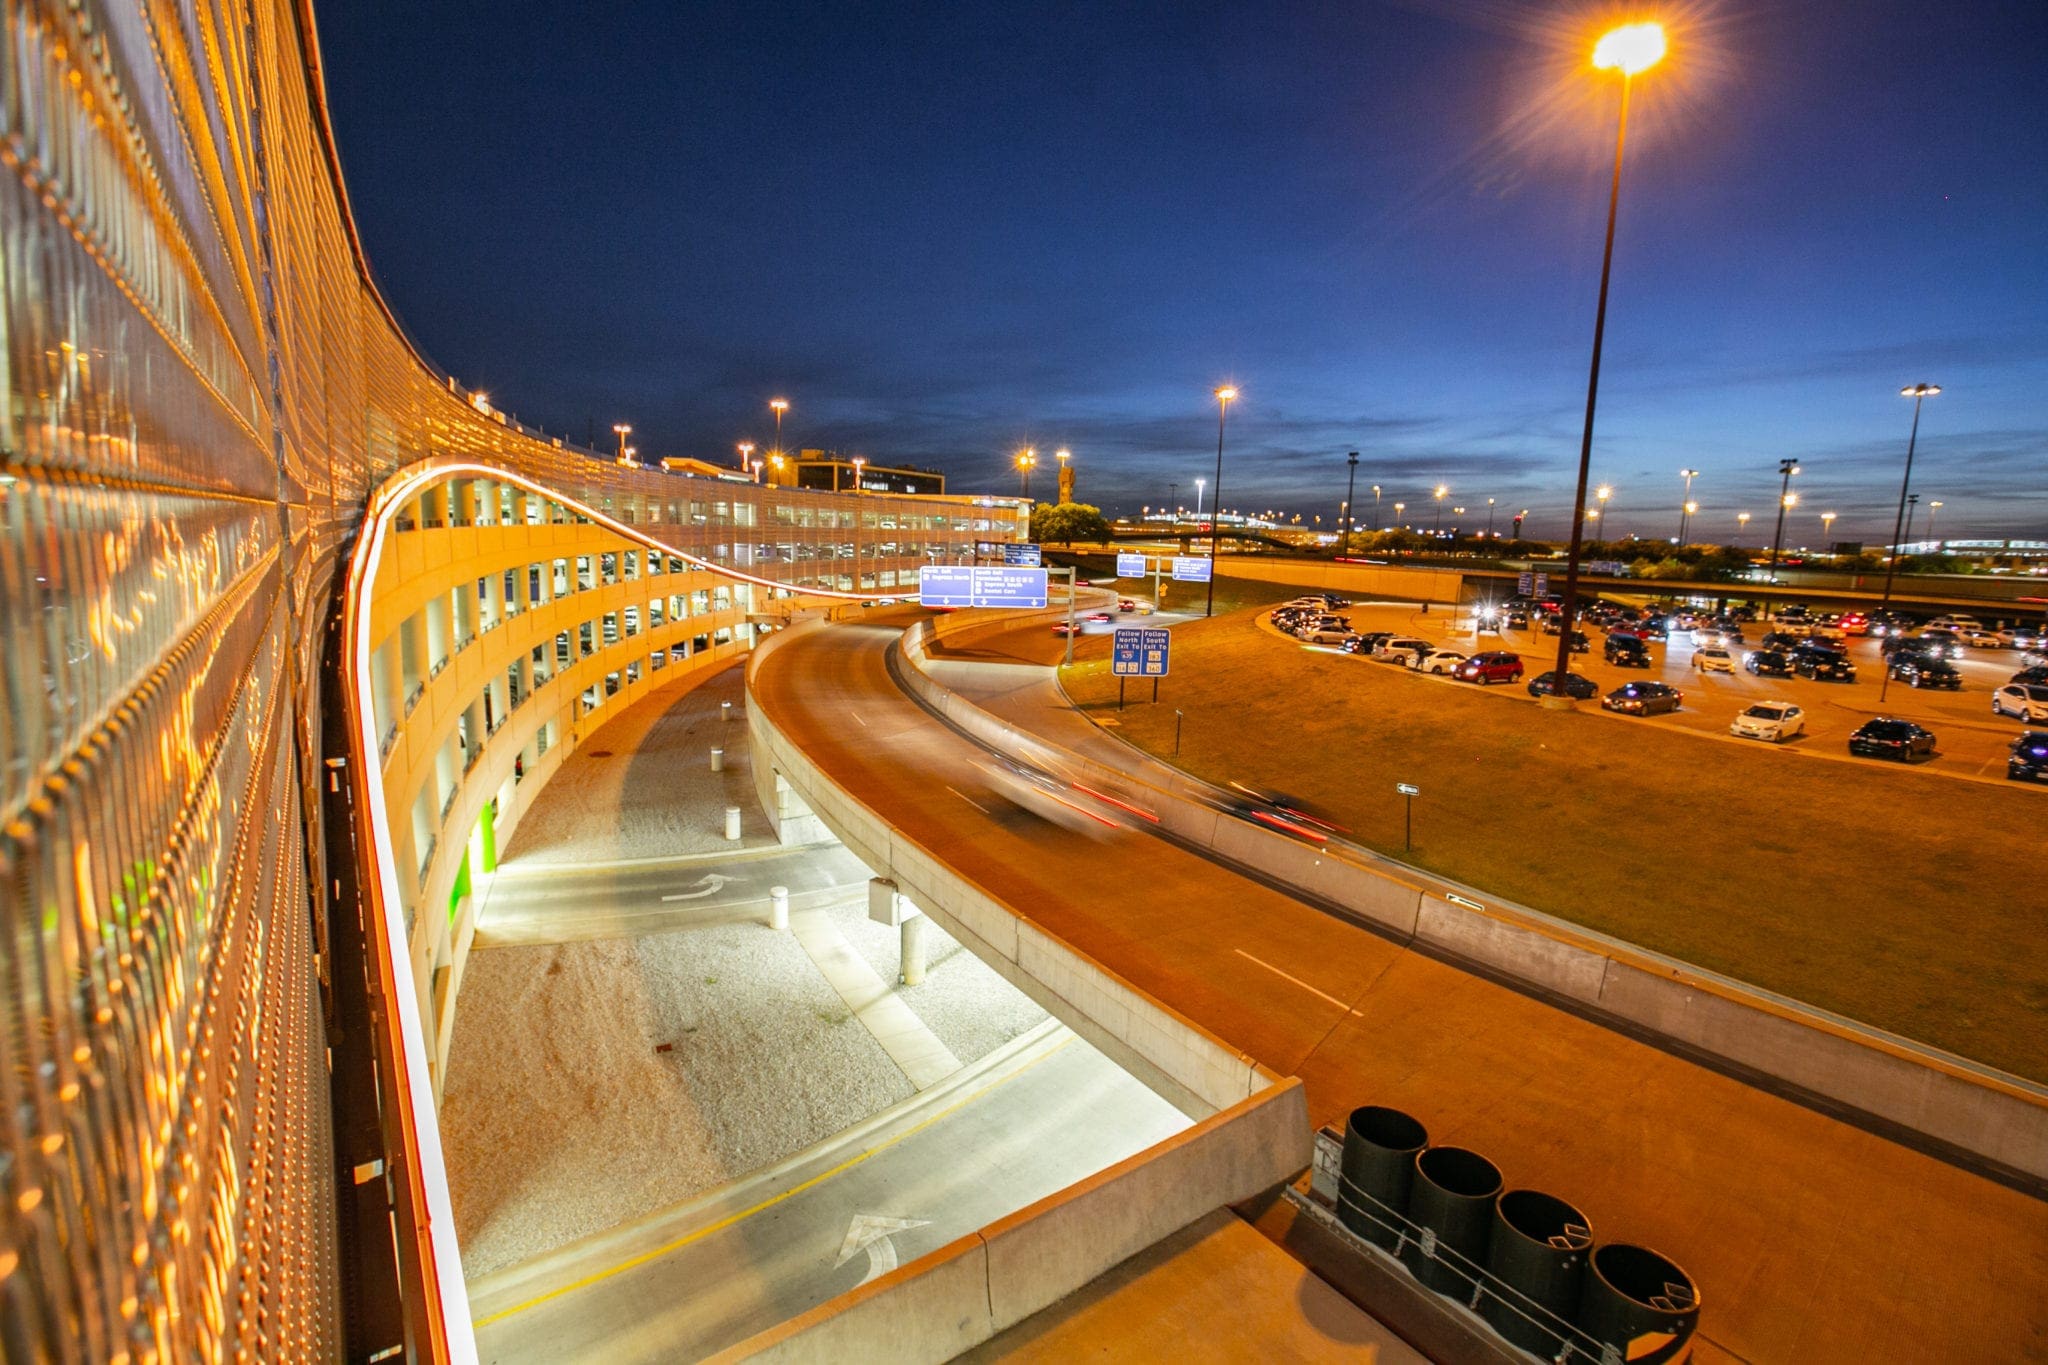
{"x": 870, "y": 1232}
{"x": 710, "y": 881}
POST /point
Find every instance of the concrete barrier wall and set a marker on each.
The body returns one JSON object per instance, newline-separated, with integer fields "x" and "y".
{"x": 1999, "y": 1119}
{"x": 945, "y": 1303}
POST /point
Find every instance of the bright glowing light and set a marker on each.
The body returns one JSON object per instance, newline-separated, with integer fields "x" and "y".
{"x": 1791, "y": 499}
{"x": 1911, "y": 391}
{"x": 779, "y": 404}
{"x": 1227, "y": 393}
{"x": 1630, "y": 49}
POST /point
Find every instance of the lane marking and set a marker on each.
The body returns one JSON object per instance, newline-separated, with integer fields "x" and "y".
{"x": 968, "y": 799}
{"x": 634, "y": 1262}
{"x": 1295, "y": 979}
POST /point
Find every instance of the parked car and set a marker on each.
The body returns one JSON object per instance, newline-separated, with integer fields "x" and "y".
{"x": 1401, "y": 649}
{"x": 1823, "y": 665}
{"x": 1917, "y": 670}
{"x": 1489, "y": 668}
{"x": 1889, "y": 737}
{"x": 2028, "y": 761}
{"x": 1325, "y": 633}
{"x": 1768, "y": 663}
{"x": 1576, "y": 685}
{"x": 2028, "y": 701}
{"x": 1643, "y": 698}
{"x": 1775, "y": 721}
{"x": 1367, "y": 642}
{"x": 1626, "y": 651}
{"x": 1713, "y": 660}
{"x": 1440, "y": 661}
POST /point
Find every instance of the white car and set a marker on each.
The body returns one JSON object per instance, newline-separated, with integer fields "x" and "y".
{"x": 1958, "y": 624}
{"x": 1774, "y": 721}
{"x": 1438, "y": 661}
{"x": 1982, "y": 638}
{"x": 1713, "y": 659}
{"x": 2024, "y": 637}
{"x": 1328, "y": 634}
{"x": 1401, "y": 649}
{"x": 2028, "y": 701}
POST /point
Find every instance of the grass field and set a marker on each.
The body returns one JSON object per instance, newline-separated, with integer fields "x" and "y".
{"x": 1908, "y": 901}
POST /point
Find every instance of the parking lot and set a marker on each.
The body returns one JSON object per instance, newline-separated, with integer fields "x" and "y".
{"x": 1972, "y": 742}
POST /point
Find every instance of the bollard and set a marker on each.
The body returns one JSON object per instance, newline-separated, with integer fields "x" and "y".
{"x": 717, "y": 759}
{"x": 725, "y": 710}
{"x": 732, "y": 823}
{"x": 913, "y": 950}
{"x": 778, "y": 907}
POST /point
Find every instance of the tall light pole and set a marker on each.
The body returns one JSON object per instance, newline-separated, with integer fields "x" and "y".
{"x": 1786, "y": 499}
{"x": 1912, "y": 502}
{"x": 1438, "y": 529}
{"x": 1827, "y": 531}
{"x": 1604, "y": 492}
{"x": 746, "y": 454}
{"x": 1630, "y": 49}
{"x": 1375, "y": 509}
{"x": 1399, "y": 507}
{"x": 758, "y": 467}
{"x": 1489, "y": 518}
{"x": 1223, "y": 397}
{"x": 621, "y": 429}
{"x": 1919, "y": 393}
{"x": 859, "y": 464}
{"x": 1685, "y": 505}
{"x": 1200, "y": 484}
{"x": 1932, "y": 508}
{"x": 781, "y": 405}
{"x": 1350, "y": 487}
{"x": 1741, "y": 525}
{"x": 1026, "y": 458}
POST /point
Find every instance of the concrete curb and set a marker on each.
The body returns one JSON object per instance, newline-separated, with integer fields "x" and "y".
{"x": 1996, "y": 1121}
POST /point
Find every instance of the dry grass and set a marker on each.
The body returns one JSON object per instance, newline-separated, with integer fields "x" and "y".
{"x": 1905, "y": 900}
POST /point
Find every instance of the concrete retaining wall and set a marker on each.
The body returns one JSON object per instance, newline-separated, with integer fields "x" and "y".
{"x": 1999, "y": 1120}
{"x": 943, "y": 1304}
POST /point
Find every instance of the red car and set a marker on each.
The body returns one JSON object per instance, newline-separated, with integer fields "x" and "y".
{"x": 1485, "y": 669}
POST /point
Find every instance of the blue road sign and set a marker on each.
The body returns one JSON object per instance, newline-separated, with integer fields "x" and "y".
{"x": 945, "y": 585}
{"x": 1190, "y": 569}
{"x": 957, "y": 585}
{"x": 1130, "y": 565}
{"x": 1024, "y": 555}
{"x": 1543, "y": 585}
{"x": 1140, "y": 652}
{"x": 1525, "y": 584}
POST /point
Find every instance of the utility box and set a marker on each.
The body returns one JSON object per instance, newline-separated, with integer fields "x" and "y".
{"x": 884, "y": 905}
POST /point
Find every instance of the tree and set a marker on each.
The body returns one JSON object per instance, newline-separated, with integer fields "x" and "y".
{"x": 1063, "y": 523}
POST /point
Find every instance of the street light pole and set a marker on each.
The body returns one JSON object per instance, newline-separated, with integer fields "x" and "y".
{"x": 1741, "y": 526}
{"x": 1375, "y": 509}
{"x": 746, "y": 453}
{"x": 1223, "y": 397}
{"x": 781, "y": 405}
{"x": 1631, "y": 49}
{"x": 1438, "y": 529}
{"x": 1350, "y": 487}
{"x": 1932, "y": 508}
{"x": 1919, "y": 393}
{"x": 1489, "y": 518}
{"x": 1200, "y": 484}
{"x": 622, "y": 431}
{"x": 1786, "y": 498}
{"x": 1685, "y": 504}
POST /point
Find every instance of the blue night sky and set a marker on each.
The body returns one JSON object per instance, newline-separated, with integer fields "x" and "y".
{"x": 948, "y": 230}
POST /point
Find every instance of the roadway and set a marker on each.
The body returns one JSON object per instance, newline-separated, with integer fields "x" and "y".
{"x": 1036, "y": 1117}
{"x": 529, "y": 903}
{"x": 1812, "y": 1239}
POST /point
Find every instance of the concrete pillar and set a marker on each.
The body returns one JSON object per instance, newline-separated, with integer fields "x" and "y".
{"x": 732, "y": 823}
{"x": 778, "y": 907}
{"x": 717, "y": 759}
{"x": 913, "y": 950}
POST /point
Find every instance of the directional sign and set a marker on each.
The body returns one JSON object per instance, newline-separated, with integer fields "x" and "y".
{"x": 1130, "y": 566}
{"x": 957, "y": 585}
{"x": 1543, "y": 585}
{"x": 1140, "y": 652}
{"x": 1190, "y": 569}
{"x": 711, "y": 883}
{"x": 1525, "y": 584}
{"x": 1024, "y": 555}
{"x": 1407, "y": 789}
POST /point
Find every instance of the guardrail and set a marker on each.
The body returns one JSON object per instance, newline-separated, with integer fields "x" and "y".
{"x": 1971, "y": 1114}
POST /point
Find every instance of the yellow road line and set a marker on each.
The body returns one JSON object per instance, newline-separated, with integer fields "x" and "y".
{"x": 658, "y": 1252}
